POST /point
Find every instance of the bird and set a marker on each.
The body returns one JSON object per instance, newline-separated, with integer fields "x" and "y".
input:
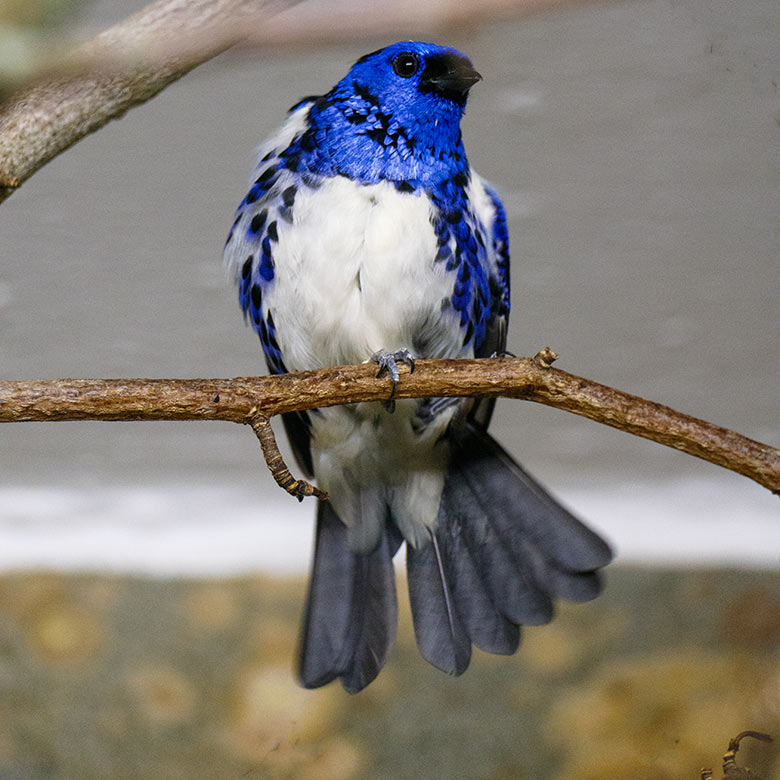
{"x": 366, "y": 235}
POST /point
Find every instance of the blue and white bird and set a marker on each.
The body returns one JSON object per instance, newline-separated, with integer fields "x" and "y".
{"x": 366, "y": 233}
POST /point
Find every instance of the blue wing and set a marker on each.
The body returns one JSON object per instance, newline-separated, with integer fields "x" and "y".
{"x": 471, "y": 232}
{"x": 249, "y": 250}
{"x": 498, "y": 254}
{"x": 494, "y": 341}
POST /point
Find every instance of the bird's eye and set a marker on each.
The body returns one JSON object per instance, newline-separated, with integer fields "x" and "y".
{"x": 406, "y": 64}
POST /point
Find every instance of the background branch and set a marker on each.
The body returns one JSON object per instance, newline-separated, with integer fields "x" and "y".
{"x": 245, "y": 399}
{"x": 122, "y": 67}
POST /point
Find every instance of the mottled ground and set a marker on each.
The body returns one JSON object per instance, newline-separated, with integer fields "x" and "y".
{"x": 112, "y": 677}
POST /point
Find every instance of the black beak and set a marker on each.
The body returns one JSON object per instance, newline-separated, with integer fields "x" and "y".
{"x": 449, "y": 76}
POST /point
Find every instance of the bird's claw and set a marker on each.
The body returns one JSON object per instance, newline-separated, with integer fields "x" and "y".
{"x": 388, "y": 364}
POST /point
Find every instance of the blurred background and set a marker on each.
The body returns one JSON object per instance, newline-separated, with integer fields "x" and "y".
{"x": 151, "y": 574}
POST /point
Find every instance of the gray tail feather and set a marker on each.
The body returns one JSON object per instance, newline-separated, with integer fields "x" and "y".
{"x": 351, "y": 611}
{"x": 502, "y": 551}
{"x": 438, "y": 627}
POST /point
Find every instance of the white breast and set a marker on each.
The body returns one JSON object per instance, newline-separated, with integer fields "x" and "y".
{"x": 355, "y": 273}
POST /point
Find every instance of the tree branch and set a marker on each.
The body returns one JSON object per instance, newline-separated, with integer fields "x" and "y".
{"x": 119, "y": 69}
{"x": 248, "y": 400}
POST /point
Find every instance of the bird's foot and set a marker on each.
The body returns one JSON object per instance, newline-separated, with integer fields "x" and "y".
{"x": 388, "y": 364}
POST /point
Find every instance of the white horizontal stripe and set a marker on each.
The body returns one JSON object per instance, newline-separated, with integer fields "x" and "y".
{"x": 215, "y": 530}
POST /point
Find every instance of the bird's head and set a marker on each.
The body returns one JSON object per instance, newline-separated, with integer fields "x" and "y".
{"x": 402, "y": 105}
{"x": 415, "y": 78}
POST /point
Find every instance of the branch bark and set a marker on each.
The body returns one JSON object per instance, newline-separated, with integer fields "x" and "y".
{"x": 119, "y": 69}
{"x": 248, "y": 399}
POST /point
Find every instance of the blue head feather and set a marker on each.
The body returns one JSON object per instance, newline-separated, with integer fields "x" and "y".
{"x": 395, "y": 116}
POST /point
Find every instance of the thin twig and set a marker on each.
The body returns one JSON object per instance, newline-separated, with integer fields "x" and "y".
{"x": 299, "y": 488}
{"x": 241, "y": 400}
{"x": 730, "y": 769}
